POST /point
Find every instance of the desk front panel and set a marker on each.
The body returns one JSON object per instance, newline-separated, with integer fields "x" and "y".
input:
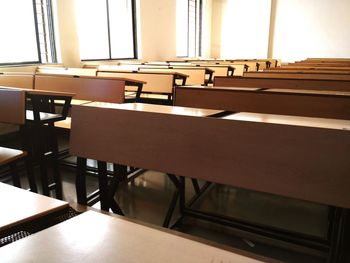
{"x": 301, "y": 162}
{"x": 310, "y": 104}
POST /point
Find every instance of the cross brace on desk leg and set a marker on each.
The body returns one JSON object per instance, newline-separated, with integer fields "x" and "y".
{"x": 340, "y": 236}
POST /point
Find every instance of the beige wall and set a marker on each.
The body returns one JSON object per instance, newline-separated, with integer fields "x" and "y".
{"x": 298, "y": 29}
{"x": 67, "y": 33}
{"x": 206, "y": 29}
{"x": 312, "y": 28}
{"x": 157, "y": 29}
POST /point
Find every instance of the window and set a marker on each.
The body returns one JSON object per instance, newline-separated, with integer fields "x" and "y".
{"x": 189, "y": 26}
{"x": 107, "y": 29}
{"x": 26, "y": 32}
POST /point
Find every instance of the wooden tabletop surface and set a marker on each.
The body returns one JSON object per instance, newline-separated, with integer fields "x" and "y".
{"x": 19, "y": 205}
{"x": 321, "y": 92}
{"x": 95, "y": 237}
{"x": 156, "y": 108}
{"x": 291, "y": 120}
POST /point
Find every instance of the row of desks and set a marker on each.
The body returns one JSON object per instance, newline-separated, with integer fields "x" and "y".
{"x": 93, "y": 237}
{"x": 298, "y": 157}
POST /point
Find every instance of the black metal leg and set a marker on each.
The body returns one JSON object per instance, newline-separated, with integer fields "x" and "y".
{"x": 103, "y": 185}
{"x": 29, "y": 162}
{"x": 15, "y": 175}
{"x": 56, "y": 170}
{"x": 340, "y": 237}
{"x": 120, "y": 174}
{"x": 171, "y": 209}
{"x": 80, "y": 181}
{"x": 182, "y": 194}
{"x": 196, "y": 187}
{"x": 39, "y": 133}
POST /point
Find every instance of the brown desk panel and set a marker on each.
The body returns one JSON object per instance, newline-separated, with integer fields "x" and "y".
{"x": 84, "y": 88}
{"x": 12, "y": 106}
{"x": 324, "y": 104}
{"x": 308, "y": 163}
{"x": 275, "y": 83}
{"x": 287, "y": 75}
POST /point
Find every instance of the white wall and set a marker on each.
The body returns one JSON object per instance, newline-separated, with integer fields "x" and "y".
{"x": 311, "y": 28}
{"x": 67, "y": 33}
{"x": 206, "y": 28}
{"x": 241, "y": 28}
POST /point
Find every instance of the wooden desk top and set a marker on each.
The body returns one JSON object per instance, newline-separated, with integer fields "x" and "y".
{"x": 94, "y": 237}
{"x": 74, "y": 102}
{"x": 8, "y": 155}
{"x": 161, "y": 72}
{"x": 65, "y": 124}
{"x": 291, "y": 120}
{"x": 40, "y": 92}
{"x": 321, "y": 92}
{"x": 156, "y": 108}
{"x": 19, "y": 205}
{"x": 220, "y": 88}
{"x": 90, "y": 77}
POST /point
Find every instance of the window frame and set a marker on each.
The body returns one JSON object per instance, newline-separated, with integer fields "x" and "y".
{"x": 198, "y": 35}
{"x": 134, "y": 34}
{"x": 51, "y": 38}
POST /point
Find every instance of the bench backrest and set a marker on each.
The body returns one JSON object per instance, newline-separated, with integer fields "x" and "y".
{"x": 275, "y": 83}
{"x": 297, "y": 103}
{"x": 84, "y": 88}
{"x": 12, "y": 106}
{"x": 157, "y": 83}
{"x": 18, "y": 80}
{"x": 297, "y": 75}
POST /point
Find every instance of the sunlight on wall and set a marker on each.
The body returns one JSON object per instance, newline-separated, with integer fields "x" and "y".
{"x": 181, "y": 27}
{"x": 245, "y": 28}
{"x": 313, "y": 28}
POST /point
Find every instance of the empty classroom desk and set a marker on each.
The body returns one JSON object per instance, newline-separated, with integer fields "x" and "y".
{"x": 18, "y": 206}
{"x": 277, "y": 83}
{"x": 93, "y": 237}
{"x": 311, "y": 103}
{"x": 302, "y": 158}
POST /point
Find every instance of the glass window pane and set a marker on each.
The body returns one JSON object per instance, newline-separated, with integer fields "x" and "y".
{"x": 92, "y": 29}
{"x": 121, "y": 28}
{"x": 18, "y": 36}
{"x": 181, "y": 28}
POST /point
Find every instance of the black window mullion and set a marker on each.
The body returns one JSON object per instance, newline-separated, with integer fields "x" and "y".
{"x": 51, "y": 32}
{"x": 108, "y": 30}
{"x": 36, "y": 31}
{"x": 134, "y": 27}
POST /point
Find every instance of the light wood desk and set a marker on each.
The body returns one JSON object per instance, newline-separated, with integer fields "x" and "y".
{"x": 18, "y": 206}
{"x": 94, "y": 237}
